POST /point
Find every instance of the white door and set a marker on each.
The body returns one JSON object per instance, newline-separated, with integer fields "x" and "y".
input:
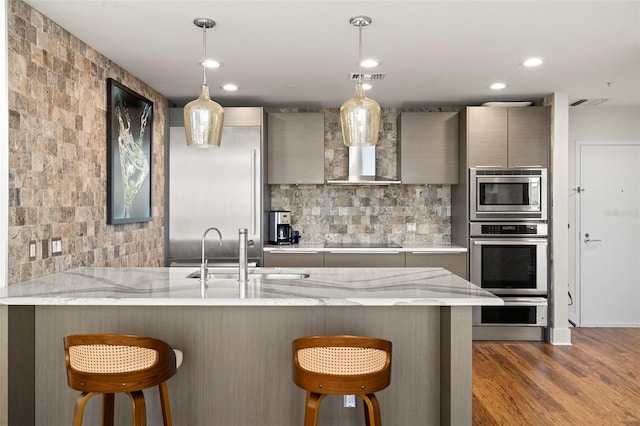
{"x": 609, "y": 234}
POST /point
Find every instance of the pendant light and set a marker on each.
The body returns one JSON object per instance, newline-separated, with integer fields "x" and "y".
{"x": 360, "y": 116}
{"x": 203, "y": 118}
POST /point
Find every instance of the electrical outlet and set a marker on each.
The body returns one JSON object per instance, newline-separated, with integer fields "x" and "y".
{"x": 32, "y": 250}
{"x": 349, "y": 401}
{"x": 45, "y": 249}
{"x": 56, "y": 246}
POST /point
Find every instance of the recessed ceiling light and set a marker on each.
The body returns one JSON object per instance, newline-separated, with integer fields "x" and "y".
{"x": 210, "y": 63}
{"x": 532, "y": 62}
{"x": 497, "y": 86}
{"x": 370, "y": 63}
{"x": 230, "y": 87}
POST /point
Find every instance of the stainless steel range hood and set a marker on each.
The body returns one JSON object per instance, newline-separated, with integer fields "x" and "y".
{"x": 362, "y": 168}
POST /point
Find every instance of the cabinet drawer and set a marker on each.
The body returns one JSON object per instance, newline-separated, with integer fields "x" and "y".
{"x": 294, "y": 259}
{"x": 363, "y": 259}
{"x": 454, "y": 262}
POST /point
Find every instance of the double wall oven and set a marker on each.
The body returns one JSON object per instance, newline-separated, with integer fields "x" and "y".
{"x": 508, "y": 250}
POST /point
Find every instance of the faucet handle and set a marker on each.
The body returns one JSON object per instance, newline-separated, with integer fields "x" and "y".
{"x": 250, "y": 243}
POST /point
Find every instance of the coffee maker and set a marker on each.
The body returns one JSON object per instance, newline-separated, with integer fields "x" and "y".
{"x": 280, "y": 227}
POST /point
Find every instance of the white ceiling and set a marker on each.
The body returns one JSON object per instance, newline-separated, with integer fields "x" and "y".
{"x": 434, "y": 53}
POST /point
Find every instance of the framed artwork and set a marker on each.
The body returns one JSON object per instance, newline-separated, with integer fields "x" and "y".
{"x": 129, "y": 137}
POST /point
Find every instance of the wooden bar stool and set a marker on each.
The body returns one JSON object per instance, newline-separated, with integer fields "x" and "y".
{"x": 341, "y": 365}
{"x": 112, "y": 363}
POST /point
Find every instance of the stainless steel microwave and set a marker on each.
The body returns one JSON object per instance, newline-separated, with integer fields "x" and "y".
{"x": 508, "y": 194}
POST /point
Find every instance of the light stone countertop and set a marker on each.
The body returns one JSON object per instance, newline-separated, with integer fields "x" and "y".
{"x": 104, "y": 286}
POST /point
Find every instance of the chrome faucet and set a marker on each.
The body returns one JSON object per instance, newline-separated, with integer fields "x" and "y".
{"x": 243, "y": 263}
{"x": 203, "y": 265}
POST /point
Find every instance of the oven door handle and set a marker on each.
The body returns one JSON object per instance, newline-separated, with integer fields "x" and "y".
{"x": 514, "y": 242}
{"x": 525, "y": 301}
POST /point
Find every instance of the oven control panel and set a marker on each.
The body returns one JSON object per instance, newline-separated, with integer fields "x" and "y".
{"x": 513, "y": 229}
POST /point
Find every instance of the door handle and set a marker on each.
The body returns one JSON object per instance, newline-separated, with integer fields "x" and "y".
{"x": 589, "y": 240}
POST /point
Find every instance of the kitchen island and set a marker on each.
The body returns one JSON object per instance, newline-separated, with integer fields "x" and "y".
{"x": 236, "y": 339}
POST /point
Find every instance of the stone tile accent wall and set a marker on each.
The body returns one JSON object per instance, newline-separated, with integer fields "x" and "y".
{"x": 57, "y": 153}
{"x": 393, "y": 213}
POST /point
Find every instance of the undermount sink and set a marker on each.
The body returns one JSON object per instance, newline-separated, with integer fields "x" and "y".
{"x": 265, "y": 275}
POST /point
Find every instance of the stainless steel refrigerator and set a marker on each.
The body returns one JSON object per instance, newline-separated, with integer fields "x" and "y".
{"x": 221, "y": 187}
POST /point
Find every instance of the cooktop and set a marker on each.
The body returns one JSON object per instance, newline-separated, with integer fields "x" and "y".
{"x": 362, "y": 245}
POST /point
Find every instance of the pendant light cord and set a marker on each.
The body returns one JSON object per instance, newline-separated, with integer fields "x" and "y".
{"x": 360, "y": 53}
{"x": 204, "y": 54}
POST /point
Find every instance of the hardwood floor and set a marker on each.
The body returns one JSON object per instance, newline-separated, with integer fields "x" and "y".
{"x": 594, "y": 382}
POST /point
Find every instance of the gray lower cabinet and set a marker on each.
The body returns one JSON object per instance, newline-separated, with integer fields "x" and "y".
{"x": 294, "y": 259}
{"x": 291, "y": 258}
{"x": 428, "y": 145}
{"x": 295, "y": 148}
{"x": 454, "y": 262}
{"x": 367, "y": 260}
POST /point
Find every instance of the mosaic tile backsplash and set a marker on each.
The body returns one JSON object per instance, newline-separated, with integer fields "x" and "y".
{"x": 393, "y": 213}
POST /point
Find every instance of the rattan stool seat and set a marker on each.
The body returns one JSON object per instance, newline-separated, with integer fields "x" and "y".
{"x": 342, "y": 365}
{"x": 115, "y": 363}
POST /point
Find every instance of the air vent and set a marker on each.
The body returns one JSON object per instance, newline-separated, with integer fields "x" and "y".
{"x": 367, "y": 77}
{"x": 590, "y": 102}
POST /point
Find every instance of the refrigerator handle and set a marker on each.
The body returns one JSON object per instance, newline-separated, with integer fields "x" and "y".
{"x": 253, "y": 191}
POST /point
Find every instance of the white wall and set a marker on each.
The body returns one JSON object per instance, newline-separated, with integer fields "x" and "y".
{"x": 600, "y": 123}
{"x": 559, "y": 333}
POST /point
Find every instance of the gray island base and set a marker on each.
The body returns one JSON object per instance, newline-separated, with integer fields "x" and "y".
{"x": 237, "y": 342}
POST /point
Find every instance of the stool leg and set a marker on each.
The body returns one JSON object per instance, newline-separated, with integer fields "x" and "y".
{"x": 312, "y": 408}
{"x": 371, "y": 410}
{"x": 138, "y": 408}
{"x": 164, "y": 403}
{"x": 107, "y": 409}
{"x": 78, "y": 411}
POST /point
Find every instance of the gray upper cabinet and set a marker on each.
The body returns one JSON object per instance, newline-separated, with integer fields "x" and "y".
{"x": 529, "y": 137}
{"x": 428, "y": 147}
{"x": 295, "y": 148}
{"x": 487, "y": 136}
{"x": 508, "y": 137}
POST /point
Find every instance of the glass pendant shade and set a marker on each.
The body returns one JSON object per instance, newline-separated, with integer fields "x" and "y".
{"x": 360, "y": 118}
{"x": 203, "y": 118}
{"x": 203, "y": 121}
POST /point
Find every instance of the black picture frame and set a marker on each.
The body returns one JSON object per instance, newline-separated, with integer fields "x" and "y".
{"x": 129, "y": 155}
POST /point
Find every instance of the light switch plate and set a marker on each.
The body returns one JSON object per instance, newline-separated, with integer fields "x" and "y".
{"x": 32, "y": 250}
{"x": 56, "y": 246}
